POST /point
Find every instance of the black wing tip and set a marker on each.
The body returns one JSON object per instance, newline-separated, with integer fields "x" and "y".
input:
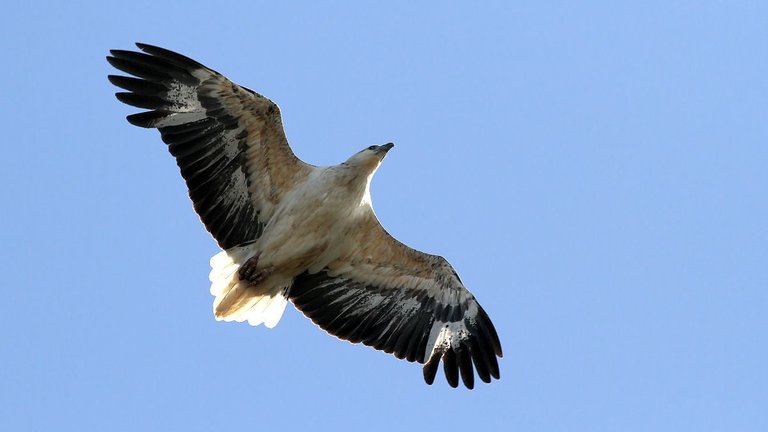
{"x": 465, "y": 367}
{"x": 430, "y": 369}
{"x": 112, "y": 60}
{"x": 148, "y": 48}
{"x": 451, "y": 368}
{"x": 120, "y": 53}
{"x": 485, "y": 321}
{"x": 169, "y": 55}
{"x": 146, "y": 119}
{"x": 458, "y": 362}
{"x": 495, "y": 373}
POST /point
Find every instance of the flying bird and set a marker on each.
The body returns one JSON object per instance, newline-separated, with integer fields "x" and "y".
{"x": 291, "y": 231}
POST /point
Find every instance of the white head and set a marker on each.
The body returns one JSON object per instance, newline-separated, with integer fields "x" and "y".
{"x": 369, "y": 158}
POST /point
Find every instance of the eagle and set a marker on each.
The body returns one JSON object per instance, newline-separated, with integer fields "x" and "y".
{"x": 291, "y": 231}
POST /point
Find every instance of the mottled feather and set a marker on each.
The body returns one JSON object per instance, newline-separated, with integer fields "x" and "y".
{"x": 228, "y": 141}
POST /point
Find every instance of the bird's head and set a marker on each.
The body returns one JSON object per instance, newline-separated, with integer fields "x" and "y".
{"x": 369, "y": 158}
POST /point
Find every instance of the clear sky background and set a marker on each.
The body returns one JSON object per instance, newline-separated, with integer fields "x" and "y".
{"x": 597, "y": 172}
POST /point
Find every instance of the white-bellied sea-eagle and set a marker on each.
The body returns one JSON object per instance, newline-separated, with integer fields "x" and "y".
{"x": 290, "y": 231}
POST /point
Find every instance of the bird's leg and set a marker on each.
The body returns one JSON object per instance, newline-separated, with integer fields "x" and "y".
{"x": 250, "y": 272}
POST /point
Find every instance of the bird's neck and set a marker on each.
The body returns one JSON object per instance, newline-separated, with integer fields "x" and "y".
{"x": 357, "y": 180}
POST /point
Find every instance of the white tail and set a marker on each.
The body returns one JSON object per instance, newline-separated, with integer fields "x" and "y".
{"x": 240, "y": 301}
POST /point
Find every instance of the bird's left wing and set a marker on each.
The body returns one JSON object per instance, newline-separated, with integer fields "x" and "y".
{"x": 228, "y": 141}
{"x": 404, "y": 302}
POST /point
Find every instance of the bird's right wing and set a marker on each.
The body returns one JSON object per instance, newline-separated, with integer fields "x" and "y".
{"x": 228, "y": 141}
{"x": 401, "y": 301}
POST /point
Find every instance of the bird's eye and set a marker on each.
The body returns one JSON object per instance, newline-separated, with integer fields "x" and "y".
{"x": 373, "y": 147}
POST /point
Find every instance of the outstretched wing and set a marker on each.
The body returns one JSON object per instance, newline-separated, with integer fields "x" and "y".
{"x": 404, "y": 302}
{"x": 228, "y": 141}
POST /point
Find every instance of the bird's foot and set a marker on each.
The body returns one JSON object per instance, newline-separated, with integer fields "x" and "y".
{"x": 250, "y": 272}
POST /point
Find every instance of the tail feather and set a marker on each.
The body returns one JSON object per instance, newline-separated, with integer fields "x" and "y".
{"x": 275, "y": 310}
{"x": 238, "y": 300}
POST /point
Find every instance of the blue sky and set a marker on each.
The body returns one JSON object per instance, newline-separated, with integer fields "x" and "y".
{"x": 596, "y": 172}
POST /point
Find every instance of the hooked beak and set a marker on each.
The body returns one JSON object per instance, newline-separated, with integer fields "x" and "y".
{"x": 385, "y": 148}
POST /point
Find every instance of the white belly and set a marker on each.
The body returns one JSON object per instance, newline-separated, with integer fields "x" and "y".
{"x": 309, "y": 228}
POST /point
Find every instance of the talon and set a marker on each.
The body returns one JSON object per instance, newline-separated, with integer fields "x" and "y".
{"x": 259, "y": 276}
{"x": 249, "y": 270}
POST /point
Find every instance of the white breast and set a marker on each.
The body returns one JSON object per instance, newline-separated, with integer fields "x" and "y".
{"x": 310, "y": 224}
